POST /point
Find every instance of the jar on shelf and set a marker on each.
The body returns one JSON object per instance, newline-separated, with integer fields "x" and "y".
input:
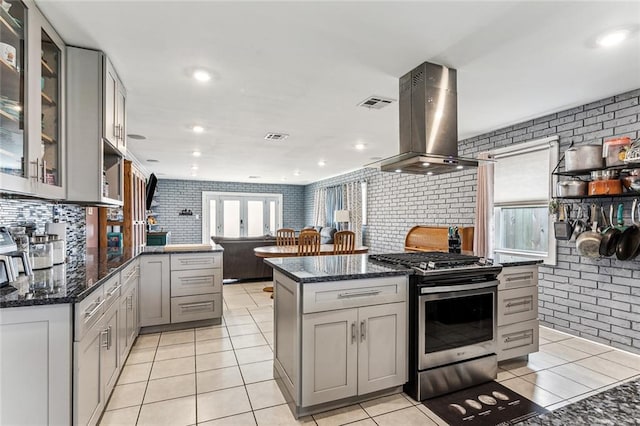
{"x": 40, "y": 252}
{"x": 59, "y": 249}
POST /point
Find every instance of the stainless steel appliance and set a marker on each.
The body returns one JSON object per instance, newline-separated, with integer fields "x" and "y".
{"x": 452, "y": 321}
{"x": 8, "y": 273}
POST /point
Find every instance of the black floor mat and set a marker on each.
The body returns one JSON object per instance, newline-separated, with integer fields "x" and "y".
{"x": 488, "y": 404}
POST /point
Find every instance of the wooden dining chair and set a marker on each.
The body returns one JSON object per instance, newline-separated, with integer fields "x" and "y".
{"x": 344, "y": 242}
{"x": 309, "y": 243}
{"x": 285, "y": 237}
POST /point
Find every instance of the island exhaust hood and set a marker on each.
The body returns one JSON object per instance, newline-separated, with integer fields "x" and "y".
{"x": 428, "y": 123}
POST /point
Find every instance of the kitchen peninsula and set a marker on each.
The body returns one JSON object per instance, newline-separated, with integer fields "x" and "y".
{"x": 340, "y": 330}
{"x": 81, "y": 322}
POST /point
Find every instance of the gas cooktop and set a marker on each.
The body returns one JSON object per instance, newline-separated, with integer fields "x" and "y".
{"x": 435, "y": 262}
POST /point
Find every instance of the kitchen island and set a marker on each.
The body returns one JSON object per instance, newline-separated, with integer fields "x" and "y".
{"x": 340, "y": 330}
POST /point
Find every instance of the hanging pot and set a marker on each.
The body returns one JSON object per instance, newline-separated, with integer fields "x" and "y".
{"x": 588, "y": 243}
{"x": 628, "y": 246}
{"x": 583, "y": 157}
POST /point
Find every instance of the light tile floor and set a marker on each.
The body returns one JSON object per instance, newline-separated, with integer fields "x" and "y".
{"x": 222, "y": 375}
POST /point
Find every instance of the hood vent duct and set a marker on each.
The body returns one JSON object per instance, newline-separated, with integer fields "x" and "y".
{"x": 428, "y": 108}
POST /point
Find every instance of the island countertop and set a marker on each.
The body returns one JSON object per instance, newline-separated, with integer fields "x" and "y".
{"x": 73, "y": 281}
{"x": 314, "y": 269}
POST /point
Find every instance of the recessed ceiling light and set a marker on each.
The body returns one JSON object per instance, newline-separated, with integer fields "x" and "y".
{"x": 136, "y": 136}
{"x": 426, "y": 164}
{"x": 359, "y": 146}
{"x": 612, "y": 38}
{"x": 197, "y": 129}
{"x": 398, "y": 170}
{"x": 296, "y": 173}
{"x": 459, "y": 167}
{"x": 429, "y": 173}
{"x": 201, "y": 75}
{"x": 194, "y": 174}
{"x": 321, "y": 163}
{"x": 194, "y": 167}
{"x": 153, "y": 160}
{"x": 196, "y": 153}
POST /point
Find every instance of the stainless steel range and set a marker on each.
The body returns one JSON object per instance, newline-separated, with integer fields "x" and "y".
{"x": 452, "y": 321}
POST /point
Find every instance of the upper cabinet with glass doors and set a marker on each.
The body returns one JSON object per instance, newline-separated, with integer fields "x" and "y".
{"x": 32, "y": 58}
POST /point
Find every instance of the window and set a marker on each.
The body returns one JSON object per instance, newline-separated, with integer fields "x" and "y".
{"x": 522, "y": 190}
{"x": 233, "y": 215}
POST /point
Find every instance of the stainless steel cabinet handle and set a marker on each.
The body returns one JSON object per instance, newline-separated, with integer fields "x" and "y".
{"x": 44, "y": 170}
{"x": 114, "y": 291}
{"x": 524, "y": 302}
{"x": 515, "y": 339}
{"x": 104, "y": 339}
{"x": 363, "y": 330}
{"x": 197, "y": 280}
{"x": 521, "y": 277}
{"x": 199, "y": 305}
{"x": 36, "y": 175}
{"x": 94, "y": 310}
{"x": 109, "y": 337}
{"x": 358, "y": 293}
{"x": 353, "y": 332}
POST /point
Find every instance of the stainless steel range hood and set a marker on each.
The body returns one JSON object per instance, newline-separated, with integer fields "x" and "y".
{"x": 428, "y": 123}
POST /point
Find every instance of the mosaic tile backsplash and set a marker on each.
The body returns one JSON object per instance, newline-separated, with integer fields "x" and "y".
{"x": 15, "y": 212}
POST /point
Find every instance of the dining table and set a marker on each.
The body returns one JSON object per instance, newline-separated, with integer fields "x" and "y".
{"x": 291, "y": 251}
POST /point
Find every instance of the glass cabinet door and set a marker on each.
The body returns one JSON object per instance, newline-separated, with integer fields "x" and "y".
{"x": 50, "y": 151}
{"x": 13, "y": 135}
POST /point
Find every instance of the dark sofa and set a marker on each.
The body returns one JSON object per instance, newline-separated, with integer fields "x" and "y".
{"x": 239, "y": 261}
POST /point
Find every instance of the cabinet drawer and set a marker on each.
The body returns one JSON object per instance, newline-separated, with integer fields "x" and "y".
{"x": 87, "y": 312}
{"x": 111, "y": 291}
{"x": 130, "y": 272}
{"x": 518, "y": 339}
{"x": 194, "y": 308}
{"x": 199, "y": 281}
{"x": 518, "y": 276}
{"x": 181, "y": 262}
{"x": 516, "y": 305}
{"x": 353, "y": 293}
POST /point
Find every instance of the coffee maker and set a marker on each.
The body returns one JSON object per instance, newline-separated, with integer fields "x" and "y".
{"x": 12, "y": 261}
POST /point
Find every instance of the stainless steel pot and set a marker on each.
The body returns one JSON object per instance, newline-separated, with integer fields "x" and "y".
{"x": 583, "y": 157}
{"x": 572, "y": 188}
{"x": 605, "y": 174}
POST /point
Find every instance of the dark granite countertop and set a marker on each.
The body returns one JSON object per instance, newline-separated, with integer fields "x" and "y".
{"x": 314, "y": 269}
{"x": 617, "y": 406}
{"x": 80, "y": 276}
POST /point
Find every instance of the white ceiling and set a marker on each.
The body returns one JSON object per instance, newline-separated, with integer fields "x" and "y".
{"x": 301, "y": 68}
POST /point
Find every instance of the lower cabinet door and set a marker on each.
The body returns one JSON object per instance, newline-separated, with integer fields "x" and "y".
{"x": 518, "y": 339}
{"x": 382, "y": 350}
{"x": 88, "y": 389}
{"x": 195, "y": 308}
{"x": 122, "y": 327}
{"x": 109, "y": 358}
{"x": 329, "y": 356}
{"x": 155, "y": 290}
{"x": 132, "y": 317}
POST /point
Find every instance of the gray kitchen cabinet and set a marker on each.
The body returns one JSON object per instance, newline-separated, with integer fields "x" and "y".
{"x": 128, "y": 327}
{"x": 95, "y": 138}
{"x": 32, "y": 121}
{"x": 352, "y": 352}
{"x": 518, "y": 326}
{"x": 337, "y": 342}
{"x": 36, "y": 360}
{"x": 97, "y": 362}
{"x": 155, "y": 290}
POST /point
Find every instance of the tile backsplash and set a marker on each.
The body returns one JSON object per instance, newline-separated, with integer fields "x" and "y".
{"x": 14, "y": 212}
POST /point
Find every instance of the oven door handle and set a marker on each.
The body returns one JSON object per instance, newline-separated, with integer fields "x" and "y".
{"x": 451, "y": 288}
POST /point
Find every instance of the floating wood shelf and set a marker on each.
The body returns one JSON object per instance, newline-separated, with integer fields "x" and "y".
{"x": 47, "y": 71}
{"x": 8, "y": 66}
{"x": 115, "y": 222}
{"x": 9, "y": 122}
{"x": 46, "y": 99}
{"x": 48, "y": 139}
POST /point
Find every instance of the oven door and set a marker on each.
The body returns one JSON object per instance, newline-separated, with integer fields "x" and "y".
{"x": 456, "y": 323}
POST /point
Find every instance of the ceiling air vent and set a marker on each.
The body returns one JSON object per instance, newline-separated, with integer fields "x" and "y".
{"x": 376, "y": 102}
{"x": 273, "y": 136}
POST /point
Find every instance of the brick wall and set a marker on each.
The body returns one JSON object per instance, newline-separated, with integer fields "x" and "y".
{"x": 174, "y": 196}
{"x": 598, "y": 299}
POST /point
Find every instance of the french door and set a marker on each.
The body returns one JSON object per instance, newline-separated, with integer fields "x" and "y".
{"x": 234, "y": 215}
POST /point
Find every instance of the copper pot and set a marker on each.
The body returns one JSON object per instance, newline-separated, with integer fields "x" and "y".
{"x": 605, "y": 187}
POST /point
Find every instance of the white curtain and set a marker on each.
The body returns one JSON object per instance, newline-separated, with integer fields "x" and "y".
{"x": 483, "y": 241}
{"x": 352, "y": 201}
{"x": 319, "y": 201}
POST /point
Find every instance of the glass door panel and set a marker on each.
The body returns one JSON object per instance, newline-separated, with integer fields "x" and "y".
{"x": 231, "y": 222}
{"x": 13, "y": 138}
{"x": 212, "y": 219}
{"x": 50, "y": 120}
{"x": 272, "y": 218}
{"x": 255, "y": 218}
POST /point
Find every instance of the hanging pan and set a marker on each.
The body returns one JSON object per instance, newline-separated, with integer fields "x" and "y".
{"x": 610, "y": 235}
{"x": 588, "y": 243}
{"x": 628, "y": 246}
